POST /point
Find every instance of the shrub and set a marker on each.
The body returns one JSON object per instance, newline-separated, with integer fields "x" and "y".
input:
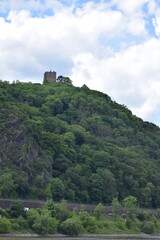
{"x": 120, "y": 223}
{"x": 88, "y": 222}
{"x": 5, "y": 225}
{"x": 16, "y": 226}
{"x": 71, "y": 227}
{"x": 148, "y": 227}
{"x": 144, "y": 216}
{"x": 19, "y": 224}
{"x": 61, "y": 212}
{"x": 16, "y": 209}
{"x": 53, "y": 224}
{"x": 98, "y": 211}
{"x": 45, "y": 224}
{"x": 128, "y": 223}
{"x": 31, "y": 216}
{"x": 3, "y": 212}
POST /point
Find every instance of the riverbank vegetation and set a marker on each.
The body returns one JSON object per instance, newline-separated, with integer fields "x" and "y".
{"x": 53, "y": 218}
{"x": 63, "y": 142}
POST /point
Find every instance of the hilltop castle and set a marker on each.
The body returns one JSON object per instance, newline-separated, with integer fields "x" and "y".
{"x": 49, "y": 77}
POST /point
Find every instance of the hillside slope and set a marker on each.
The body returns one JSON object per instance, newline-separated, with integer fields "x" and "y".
{"x": 60, "y": 141}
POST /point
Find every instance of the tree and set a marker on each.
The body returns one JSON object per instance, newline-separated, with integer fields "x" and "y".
{"x": 130, "y": 203}
{"x": 3, "y": 213}
{"x": 148, "y": 227}
{"x": 62, "y": 213}
{"x": 32, "y": 215}
{"x": 64, "y": 80}
{"x": 56, "y": 189}
{"x": 116, "y": 206}
{"x": 50, "y": 206}
{"x": 98, "y": 211}
{"x": 88, "y": 222}
{"x": 146, "y": 194}
{"x": 109, "y": 190}
{"x": 5, "y": 225}
{"x": 7, "y": 185}
{"x": 23, "y": 187}
{"x": 96, "y": 187}
{"x": 16, "y": 209}
{"x": 62, "y": 163}
{"x": 45, "y": 224}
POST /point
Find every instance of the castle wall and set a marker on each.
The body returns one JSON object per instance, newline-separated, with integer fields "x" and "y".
{"x": 50, "y": 77}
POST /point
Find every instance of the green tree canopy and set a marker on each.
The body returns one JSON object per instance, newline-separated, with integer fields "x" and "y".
{"x": 56, "y": 189}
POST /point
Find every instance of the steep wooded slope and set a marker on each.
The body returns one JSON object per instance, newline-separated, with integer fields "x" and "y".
{"x": 60, "y": 141}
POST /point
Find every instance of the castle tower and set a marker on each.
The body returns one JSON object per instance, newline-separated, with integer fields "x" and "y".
{"x": 49, "y": 77}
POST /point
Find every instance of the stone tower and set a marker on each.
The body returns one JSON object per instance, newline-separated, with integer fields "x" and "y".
{"x": 49, "y": 77}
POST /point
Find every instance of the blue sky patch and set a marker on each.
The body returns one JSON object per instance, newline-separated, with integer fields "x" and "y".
{"x": 41, "y": 14}
{"x": 149, "y": 26}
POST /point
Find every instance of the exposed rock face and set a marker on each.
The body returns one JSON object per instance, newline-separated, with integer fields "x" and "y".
{"x": 18, "y": 149}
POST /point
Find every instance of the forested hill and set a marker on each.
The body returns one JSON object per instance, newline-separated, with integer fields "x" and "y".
{"x": 60, "y": 141}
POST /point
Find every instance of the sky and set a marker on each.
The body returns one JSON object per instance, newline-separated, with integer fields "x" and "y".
{"x": 112, "y": 46}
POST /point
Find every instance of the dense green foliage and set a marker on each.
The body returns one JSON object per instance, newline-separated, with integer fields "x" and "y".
{"x": 5, "y": 225}
{"x": 55, "y": 217}
{"x": 63, "y": 142}
{"x": 71, "y": 227}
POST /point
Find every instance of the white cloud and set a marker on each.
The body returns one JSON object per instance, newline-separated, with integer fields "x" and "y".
{"x": 131, "y": 76}
{"x": 137, "y": 12}
{"x": 130, "y": 6}
{"x": 156, "y": 23}
{"x": 55, "y": 38}
{"x": 152, "y": 6}
{"x": 30, "y": 5}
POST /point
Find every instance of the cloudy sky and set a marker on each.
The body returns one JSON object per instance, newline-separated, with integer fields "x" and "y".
{"x": 110, "y": 45}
